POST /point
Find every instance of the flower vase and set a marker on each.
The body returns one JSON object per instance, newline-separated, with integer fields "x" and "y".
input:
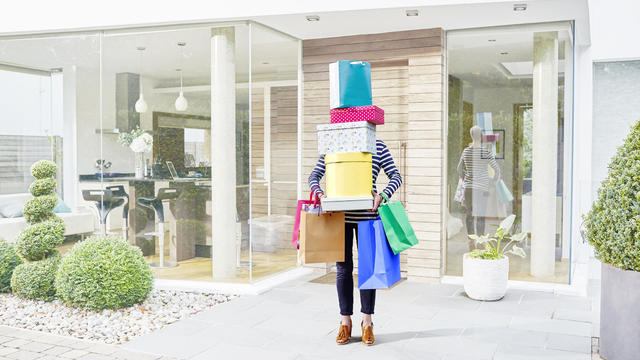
{"x": 139, "y": 165}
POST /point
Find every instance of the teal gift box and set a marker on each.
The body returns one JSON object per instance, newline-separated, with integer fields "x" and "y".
{"x": 349, "y": 84}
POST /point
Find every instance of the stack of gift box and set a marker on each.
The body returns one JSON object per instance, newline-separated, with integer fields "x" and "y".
{"x": 349, "y": 142}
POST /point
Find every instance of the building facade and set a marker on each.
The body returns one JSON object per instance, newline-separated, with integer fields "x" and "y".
{"x": 536, "y": 76}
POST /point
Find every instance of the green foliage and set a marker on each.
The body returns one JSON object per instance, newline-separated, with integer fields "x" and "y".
{"x": 9, "y": 259}
{"x": 46, "y": 186}
{"x": 125, "y": 139}
{"x": 35, "y": 280}
{"x": 103, "y": 273}
{"x": 40, "y": 208}
{"x": 612, "y": 225}
{"x": 44, "y": 169}
{"x": 494, "y": 244}
{"x": 39, "y": 240}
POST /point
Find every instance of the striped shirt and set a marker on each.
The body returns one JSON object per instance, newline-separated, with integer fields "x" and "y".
{"x": 382, "y": 159}
{"x": 473, "y": 167}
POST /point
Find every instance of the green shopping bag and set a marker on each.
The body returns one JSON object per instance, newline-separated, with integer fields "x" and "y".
{"x": 396, "y": 225}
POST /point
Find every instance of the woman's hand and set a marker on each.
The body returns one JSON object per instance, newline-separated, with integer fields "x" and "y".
{"x": 377, "y": 200}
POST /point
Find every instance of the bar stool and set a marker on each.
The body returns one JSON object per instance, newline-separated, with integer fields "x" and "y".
{"x": 105, "y": 201}
{"x": 118, "y": 190}
{"x": 156, "y": 205}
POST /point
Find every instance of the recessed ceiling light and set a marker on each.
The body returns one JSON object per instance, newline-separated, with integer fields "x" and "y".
{"x": 519, "y": 7}
{"x": 504, "y": 53}
{"x": 412, "y": 12}
{"x": 492, "y": 40}
{"x": 313, "y": 18}
{"x": 265, "y": 63}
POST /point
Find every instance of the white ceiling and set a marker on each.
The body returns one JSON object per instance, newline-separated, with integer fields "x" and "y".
{"x": 273, "y": 54}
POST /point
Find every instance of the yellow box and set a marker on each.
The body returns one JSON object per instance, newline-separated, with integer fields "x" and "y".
{"x": 348, "y": 174}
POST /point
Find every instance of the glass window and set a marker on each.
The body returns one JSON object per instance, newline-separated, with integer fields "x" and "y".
{"x": 509, "y": 122}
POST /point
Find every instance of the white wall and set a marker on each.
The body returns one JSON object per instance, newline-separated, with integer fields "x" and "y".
{"x": 615, "y": 25}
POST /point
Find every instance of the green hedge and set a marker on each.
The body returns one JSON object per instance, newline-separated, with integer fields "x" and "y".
{"x": 44, "y": 169}
{"x": 39, "y": 240}
{"x": 103, "y": 273}
{"x": 36, "y": 280}
{"x": 9, "y": 259}
{"x": 613, "y": 224}
{"x": 45, "y": 186}
{"x": 40, "y": 208}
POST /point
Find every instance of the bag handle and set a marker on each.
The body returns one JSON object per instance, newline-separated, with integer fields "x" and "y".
{"x": 385, "y": 198}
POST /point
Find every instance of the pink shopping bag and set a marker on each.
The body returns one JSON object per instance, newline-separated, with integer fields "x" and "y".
{"x": 296, "y": 225}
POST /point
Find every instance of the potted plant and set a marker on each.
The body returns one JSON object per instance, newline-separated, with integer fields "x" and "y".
{"x": 140, "y": 142}
{"x": 485, "y": 272}
{"x": 612, "y": 226}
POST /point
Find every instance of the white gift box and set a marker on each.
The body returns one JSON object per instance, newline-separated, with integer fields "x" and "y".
{"x": 347, "y": 203}
{"x": 359, "y": 136}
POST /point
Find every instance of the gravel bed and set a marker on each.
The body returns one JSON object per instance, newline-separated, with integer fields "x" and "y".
{"x": 109, "y": 326}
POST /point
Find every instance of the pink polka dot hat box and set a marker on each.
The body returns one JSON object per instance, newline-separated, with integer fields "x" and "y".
{"x": 370, "y": 113}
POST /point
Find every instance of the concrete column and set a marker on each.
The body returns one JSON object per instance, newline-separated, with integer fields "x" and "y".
{"x": 544, "y": 153}
{"x": 223, "y": 152}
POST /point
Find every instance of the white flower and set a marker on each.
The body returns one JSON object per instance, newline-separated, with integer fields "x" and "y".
{"x": 143, "y": 143}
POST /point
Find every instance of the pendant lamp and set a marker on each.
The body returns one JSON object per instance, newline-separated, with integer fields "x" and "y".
{"x": 181, "y": 102}
{"x": 141, "y": 105}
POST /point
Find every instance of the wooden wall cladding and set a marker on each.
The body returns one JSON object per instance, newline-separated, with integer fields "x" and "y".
{"x": 407, "y": 82}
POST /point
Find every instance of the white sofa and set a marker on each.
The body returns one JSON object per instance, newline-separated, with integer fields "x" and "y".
{"x": 80, "y": 220}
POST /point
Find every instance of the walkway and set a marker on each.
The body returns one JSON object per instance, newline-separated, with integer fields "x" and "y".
{"x": 29, "y": 345}
{"x": 298, "y": 320}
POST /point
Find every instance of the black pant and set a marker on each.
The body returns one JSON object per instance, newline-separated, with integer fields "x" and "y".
{"x": 480, "y": 204}
{"x": 344, "y": 279}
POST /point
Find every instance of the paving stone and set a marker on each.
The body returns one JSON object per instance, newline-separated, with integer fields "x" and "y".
{"x": 4, "y": 351}
{"x": 580, "y": 344}
{"x": 24, "y": 355}
{"x": 94, "y": 356}
{"x": 36, "y": 346}
{"x": 552, "y": 326}
{"x": 510, "y": 352}
{"x": 130, "y": 355}
{"x": 16, "y": 343}
{"x": 4, "y": 338}
{"x": 57, "y": 350}
{"x": 76, "y": 344}
{"x": 74, "y": 354}
{"x": 102, "y": 349}
{"x": 574, "y": 315}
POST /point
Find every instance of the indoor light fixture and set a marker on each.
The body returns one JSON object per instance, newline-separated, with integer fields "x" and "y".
{"x": 412, "y": 12}
{"x": 181, "y": 102}
{"x": 491, "y": 40}
{"x": 313, "y": 18}
{"x": 504, "y": 53}
{"x": 519, "y": 7}
{"x": 141, "y": 105}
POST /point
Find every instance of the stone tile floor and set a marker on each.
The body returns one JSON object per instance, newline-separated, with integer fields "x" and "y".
{"x": 298, "y": 320}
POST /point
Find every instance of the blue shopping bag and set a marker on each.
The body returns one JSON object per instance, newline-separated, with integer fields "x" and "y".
{"x": 504, "y": 195}
{"x": 378, "y": 266}
{"x": 349, "y": 84}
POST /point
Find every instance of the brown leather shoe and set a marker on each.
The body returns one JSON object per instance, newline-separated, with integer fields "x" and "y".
{"x": 367, "y": 334}
{"x": 344, "y": 335}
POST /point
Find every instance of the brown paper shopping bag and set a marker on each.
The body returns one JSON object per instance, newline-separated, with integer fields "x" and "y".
{"x": 321, "y": 237}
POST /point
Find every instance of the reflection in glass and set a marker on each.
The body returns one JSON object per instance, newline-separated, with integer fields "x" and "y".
{"x": 509, "y": 114}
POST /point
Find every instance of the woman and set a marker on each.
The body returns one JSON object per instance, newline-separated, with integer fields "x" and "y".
{"x": 344, "y": 278}
{"x": 473, "y": 167}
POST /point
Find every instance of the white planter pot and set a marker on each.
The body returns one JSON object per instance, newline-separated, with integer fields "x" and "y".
{"x": 485, "y": 279}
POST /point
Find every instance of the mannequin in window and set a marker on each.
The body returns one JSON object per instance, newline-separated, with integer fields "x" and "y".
{"x": 473, "y": 167}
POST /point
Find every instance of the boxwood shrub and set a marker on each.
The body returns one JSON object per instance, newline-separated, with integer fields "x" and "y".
{"x": 9, "y": 259}
{"x": 36, "y": 280}
{"x": 612, "y": 225}
{"x": 39, "y": 240}
{"x": 39, "y": 208}
{"x": 103, "y": 273}
{"x": 45, "y": 186}
{"x": 44, "y": 169}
